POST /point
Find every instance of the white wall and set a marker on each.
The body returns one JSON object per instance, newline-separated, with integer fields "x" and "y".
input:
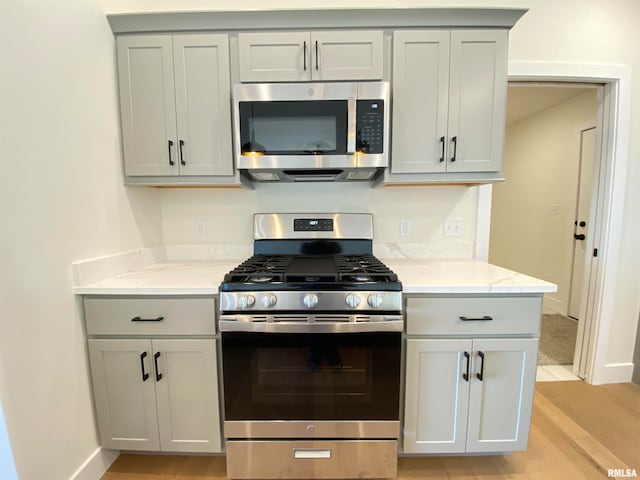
{"x": 62, "y": 200}
{"x": 541, "y": 165}
{"x": 228, "y": 213}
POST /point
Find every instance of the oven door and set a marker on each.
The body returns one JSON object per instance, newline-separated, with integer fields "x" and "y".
{"x": 319, "y": 385}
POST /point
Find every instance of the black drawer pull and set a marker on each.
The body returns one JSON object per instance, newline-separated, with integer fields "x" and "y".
{"x": 155, "y": 361}
{"x": 481, "y": 374}
{"x": 140, "y": 319}
{"x": 145, "y": 375}
{"x": 442, "y": 147}
{"x": 466, "y": 375}
{"x": 485, "y": 318}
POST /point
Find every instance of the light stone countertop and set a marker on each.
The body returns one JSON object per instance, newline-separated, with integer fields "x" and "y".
{"x": 463, "y": 277}
{"x": 417, "y": 276}
{"x": 165, "y": 278}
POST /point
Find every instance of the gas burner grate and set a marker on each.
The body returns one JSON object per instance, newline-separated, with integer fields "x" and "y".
{"x": 260, "y": 269}
{"x": 345, "y": 269}
{"x": 363, "y": 268}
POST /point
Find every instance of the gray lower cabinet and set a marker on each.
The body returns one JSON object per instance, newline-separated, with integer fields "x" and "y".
{"x": 449, "y": 100}
{"x": 470, "y": 394}
{"x": 175, "y": 107}
{"x": 155, "y": 393}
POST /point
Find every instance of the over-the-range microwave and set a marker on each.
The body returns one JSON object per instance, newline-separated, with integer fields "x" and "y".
{"x": 311, "y": 131}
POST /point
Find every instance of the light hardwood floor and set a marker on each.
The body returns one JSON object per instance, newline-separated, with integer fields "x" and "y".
{"x": 579, "y": 431}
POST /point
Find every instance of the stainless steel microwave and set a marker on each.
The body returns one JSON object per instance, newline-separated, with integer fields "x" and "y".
{"x": 311, "y": 131}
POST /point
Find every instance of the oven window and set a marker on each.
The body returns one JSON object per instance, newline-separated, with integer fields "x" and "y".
{"x": 293, "y": 128}
{"x": 311, "y": 376}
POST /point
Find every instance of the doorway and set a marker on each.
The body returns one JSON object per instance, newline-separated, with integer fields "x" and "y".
{"x": 537, "y": 213}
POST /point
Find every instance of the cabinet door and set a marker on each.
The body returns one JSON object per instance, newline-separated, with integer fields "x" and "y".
{"x": 420, "y": 101}
{"x": 124, "y": 391}
{"x": 187, "y": 395}
{"x": 147, "y": 104}
{"x": 203, "y": 104}
{"x": 437, "y": 395}
{"x": 346, "y": 55}
{"x": 274, "y": 56}
{"x": 477, "y": 100}
{"x": 500, "y": 404}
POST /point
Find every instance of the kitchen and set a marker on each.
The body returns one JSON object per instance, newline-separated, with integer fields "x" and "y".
{"x": 66, "y": 202}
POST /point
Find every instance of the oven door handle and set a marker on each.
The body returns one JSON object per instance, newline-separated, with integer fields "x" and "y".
{"x": 238, "y": 323}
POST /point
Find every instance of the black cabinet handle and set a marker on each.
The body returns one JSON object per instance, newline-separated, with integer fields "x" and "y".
{"x": 145, "y": 375}
{"x": 455, "y": 148}
{"x": 304, "y": 56}
{"x": 481, "y": 374}
{"x": 466, "y": 375}
{"x": 579, "y": 236}
{"x": 181, "y": 144}
{"x": 485, "y": 318}
{"x": 442, "y": 149}
{"x": 316, "y": 54}
{"x": 155, "y": 361}
{"x": 170, "y": 145}
{"x": 140, "y": 319}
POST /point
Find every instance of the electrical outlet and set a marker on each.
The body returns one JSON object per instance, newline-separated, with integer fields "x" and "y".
{"x": 453, "y": 227}
{"x": 405, "y": 227}
{"x": 200, "y": 228}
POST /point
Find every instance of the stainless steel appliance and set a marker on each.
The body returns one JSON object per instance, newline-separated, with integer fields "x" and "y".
{"x": 311, "y": 338}
{"x": 311, "y": 131}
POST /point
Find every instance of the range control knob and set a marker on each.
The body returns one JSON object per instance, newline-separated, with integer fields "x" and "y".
{"x": 310, "y": 300}
{"x": 269, "y": 300}
{"x": 352, "y": 300}
{"x": 374, "y": 300}
{"x": 246, "y": 301}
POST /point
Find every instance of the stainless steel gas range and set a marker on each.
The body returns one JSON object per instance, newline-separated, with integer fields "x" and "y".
{"x": 311, "y": 338}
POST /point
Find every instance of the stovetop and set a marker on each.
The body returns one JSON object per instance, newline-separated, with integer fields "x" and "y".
{"x": 318, "y": 272}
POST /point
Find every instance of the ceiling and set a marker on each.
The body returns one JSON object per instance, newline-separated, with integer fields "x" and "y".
{"x": 524, "y": 100}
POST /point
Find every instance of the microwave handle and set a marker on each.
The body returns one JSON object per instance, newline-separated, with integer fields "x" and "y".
{"x": 351, "y": 125}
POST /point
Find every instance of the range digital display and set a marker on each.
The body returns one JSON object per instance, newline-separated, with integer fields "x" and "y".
{"x": 313, "y": 225}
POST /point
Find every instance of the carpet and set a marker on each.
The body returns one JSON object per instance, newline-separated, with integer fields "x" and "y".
{"x": 557, "y": 340}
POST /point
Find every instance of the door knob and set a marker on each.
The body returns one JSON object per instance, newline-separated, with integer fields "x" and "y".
{"x": 579, "y": 236}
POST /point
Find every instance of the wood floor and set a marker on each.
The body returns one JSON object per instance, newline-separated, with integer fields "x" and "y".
{"x": 579, "y": 431}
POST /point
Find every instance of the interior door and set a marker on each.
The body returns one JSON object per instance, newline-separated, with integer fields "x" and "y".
{"x": 583, "y": 207}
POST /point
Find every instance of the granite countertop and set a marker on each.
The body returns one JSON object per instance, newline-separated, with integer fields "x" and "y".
{"x": 417, "y": 276}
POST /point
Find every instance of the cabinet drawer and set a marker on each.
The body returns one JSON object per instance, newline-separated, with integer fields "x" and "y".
{"x": 312, "y": 459}
{"x": 484, "y": 315}
{"x": 150, "y": 316}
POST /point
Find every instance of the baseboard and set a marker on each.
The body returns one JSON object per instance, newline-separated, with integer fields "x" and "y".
{"x": 94, "y": 467}
{"x": 553, "y": 305}
{"x": 615, "y": 373}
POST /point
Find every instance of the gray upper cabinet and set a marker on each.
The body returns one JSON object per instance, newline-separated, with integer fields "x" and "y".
{"x": 175, "y": 105}
{"x": 449, "y": 99}
{"x": 310, "y": 56}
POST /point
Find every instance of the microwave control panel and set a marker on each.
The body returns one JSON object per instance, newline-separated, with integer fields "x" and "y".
{"x": 370, "y": 126}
